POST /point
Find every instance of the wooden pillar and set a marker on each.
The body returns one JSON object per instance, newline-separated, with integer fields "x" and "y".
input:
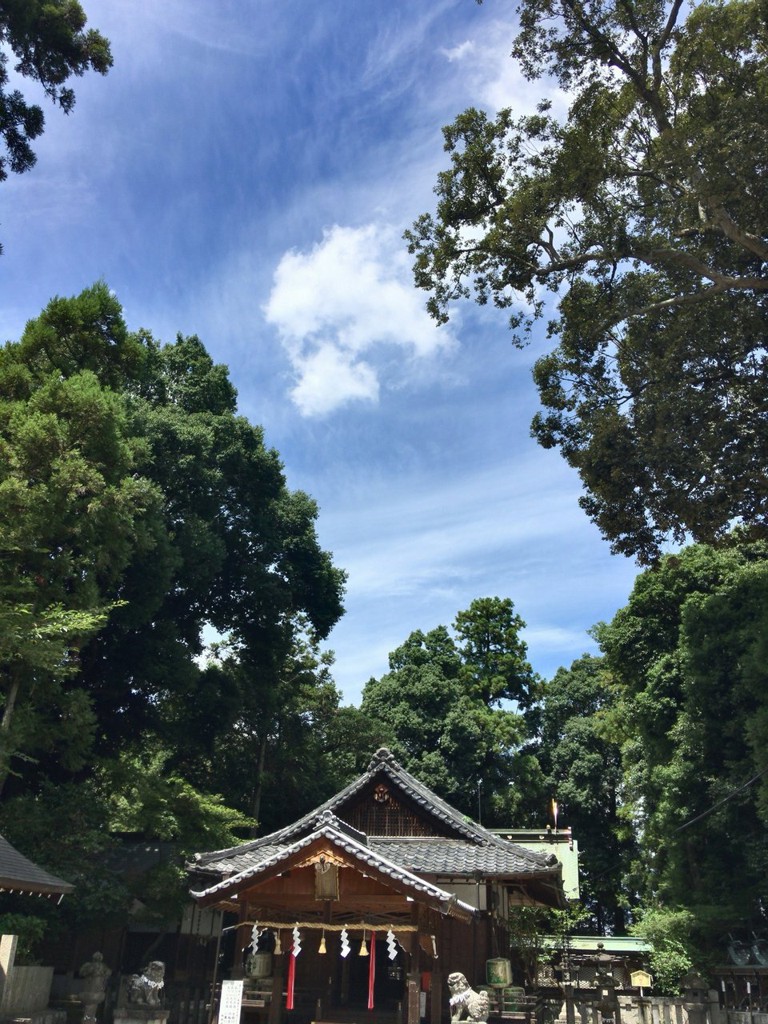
{"x": 242, "y": 936}
{"x": 278, "y": 980}
{"x": 437, "y": 968}
{"x": 412, "y": 988}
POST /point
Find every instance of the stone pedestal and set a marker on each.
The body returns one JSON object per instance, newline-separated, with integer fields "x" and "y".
{"x": 133, "y": 1014}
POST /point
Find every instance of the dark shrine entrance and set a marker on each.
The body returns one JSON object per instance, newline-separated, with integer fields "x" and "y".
{"x": 353, "y": 979}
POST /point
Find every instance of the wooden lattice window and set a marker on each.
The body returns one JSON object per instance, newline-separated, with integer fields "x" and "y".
{"x": 380, "y": 811}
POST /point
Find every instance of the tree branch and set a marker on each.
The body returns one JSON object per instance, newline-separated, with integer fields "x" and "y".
{"x": 753, "y": 243}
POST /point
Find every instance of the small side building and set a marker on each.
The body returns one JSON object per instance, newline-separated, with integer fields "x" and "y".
{"x": 25, "y": 991}
{"x": 385, "y": 889}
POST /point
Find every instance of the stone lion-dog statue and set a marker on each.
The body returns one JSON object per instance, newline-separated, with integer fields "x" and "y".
{"x": 145, "y": 989}
{"x": 466, "y": 1004}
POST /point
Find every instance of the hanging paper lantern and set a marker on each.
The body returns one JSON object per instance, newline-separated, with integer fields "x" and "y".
{"x": 345, "y": 947}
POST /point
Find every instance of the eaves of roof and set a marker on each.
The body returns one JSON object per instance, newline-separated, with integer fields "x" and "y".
{"x": 19, "y": 874}
{"x": 366, "y": 856}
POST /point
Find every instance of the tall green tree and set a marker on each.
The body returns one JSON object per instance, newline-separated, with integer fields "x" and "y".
{"x": 642, "y": 213}
{"x": 49, "y": 43}
{"x": 278, "y": 725}
{"x": 494, "y": 656}
{"x": 448, "y": 704}
{"x": 687, "y": 653}
{"x": 580, "y": 759}
{"x": 74, "y": 510}
{"x": 130, "y": 481}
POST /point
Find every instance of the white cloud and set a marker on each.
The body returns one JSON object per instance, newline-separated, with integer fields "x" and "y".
{"x": 421, "y": 539}
{"x": 348, "y": 297}
{"x": 557, "y": 638}
{"x": 217, "y": 27}
{"x": 457, "y": 53}
{"x": 325, "y": 374}
{"x": 492, "y": 78}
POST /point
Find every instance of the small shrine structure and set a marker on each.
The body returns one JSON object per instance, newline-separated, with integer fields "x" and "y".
{"x": 369, "y": 902}
{"x": 18, "y": 874}
{"x": 25, "y": 990}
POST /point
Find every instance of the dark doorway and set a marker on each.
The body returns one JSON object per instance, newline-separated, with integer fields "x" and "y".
{"x": 354, "y": 975}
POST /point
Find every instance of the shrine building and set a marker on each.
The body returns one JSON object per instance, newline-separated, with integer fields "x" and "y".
{"x": 361, "y": 909}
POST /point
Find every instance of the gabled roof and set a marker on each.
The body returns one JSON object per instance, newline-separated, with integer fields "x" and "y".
{"x": 19, "y": 874}
{"x": 275, "y": 859}
{"x": 382, "y": 763}
{"x": 464, "y": 849}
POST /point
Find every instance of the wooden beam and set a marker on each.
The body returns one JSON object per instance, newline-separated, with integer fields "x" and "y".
{"x": 265, "y": 899}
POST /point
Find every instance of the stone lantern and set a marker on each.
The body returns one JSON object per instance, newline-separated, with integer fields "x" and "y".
{"x": 696, "y": 995}
{"x": 605, "y": 983}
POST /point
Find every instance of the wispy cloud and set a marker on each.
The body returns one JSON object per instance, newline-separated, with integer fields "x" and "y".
{"x": 420, "y": 550}
{"x": 556, "y": 638}
{"x": 400, "y": 44}
{"x": 342, "y": 309}
{"x": 491, "y": 79}
{"x": 218, "y": 27}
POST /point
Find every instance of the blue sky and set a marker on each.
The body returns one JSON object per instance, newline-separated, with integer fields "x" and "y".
{"x": 245, "y": 173}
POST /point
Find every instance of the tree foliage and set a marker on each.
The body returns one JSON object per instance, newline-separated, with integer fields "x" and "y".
{"x": 448, "y": 704}
{"x": 688, "y": 655}
{"x": 128, "y": 481}
{"x": 138, "y": 509}
{"x": 50, "y": 43}
{"x": 669, "y": 933}
{"x": 643, "y": 211}
{"x": 74, "y": 512}
{"x": 284, "y": 722}
{"x": 580, "y": 760}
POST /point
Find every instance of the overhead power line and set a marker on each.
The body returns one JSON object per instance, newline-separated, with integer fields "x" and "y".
{"x": 724, "y": 800}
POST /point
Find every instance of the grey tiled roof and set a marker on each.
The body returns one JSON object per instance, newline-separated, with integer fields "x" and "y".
{"x": 472, "y": 847}
{"x": 19, "y": 874}
{"x": 456, "y": 857}
{"x": 332, "y": 829}
{"x": 230, "y": 863}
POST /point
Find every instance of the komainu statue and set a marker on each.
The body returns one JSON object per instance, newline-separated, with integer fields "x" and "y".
{"x": 466, "y": 1004}
{"x": 144, "y": 989}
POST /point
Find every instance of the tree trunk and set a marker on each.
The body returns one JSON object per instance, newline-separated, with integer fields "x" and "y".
{"x": 5, "y": 729}
{"x": 259, "y": 787}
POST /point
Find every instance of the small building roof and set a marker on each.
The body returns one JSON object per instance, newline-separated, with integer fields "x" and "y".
{"x": 560, "y": 842}
{"x": 618, "y": 945}
{"x": 21, "y": 875}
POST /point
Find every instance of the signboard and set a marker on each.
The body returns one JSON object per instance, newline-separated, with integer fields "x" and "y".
{"x": 641, "y": 979}
{"x": 231, "y": 1002}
